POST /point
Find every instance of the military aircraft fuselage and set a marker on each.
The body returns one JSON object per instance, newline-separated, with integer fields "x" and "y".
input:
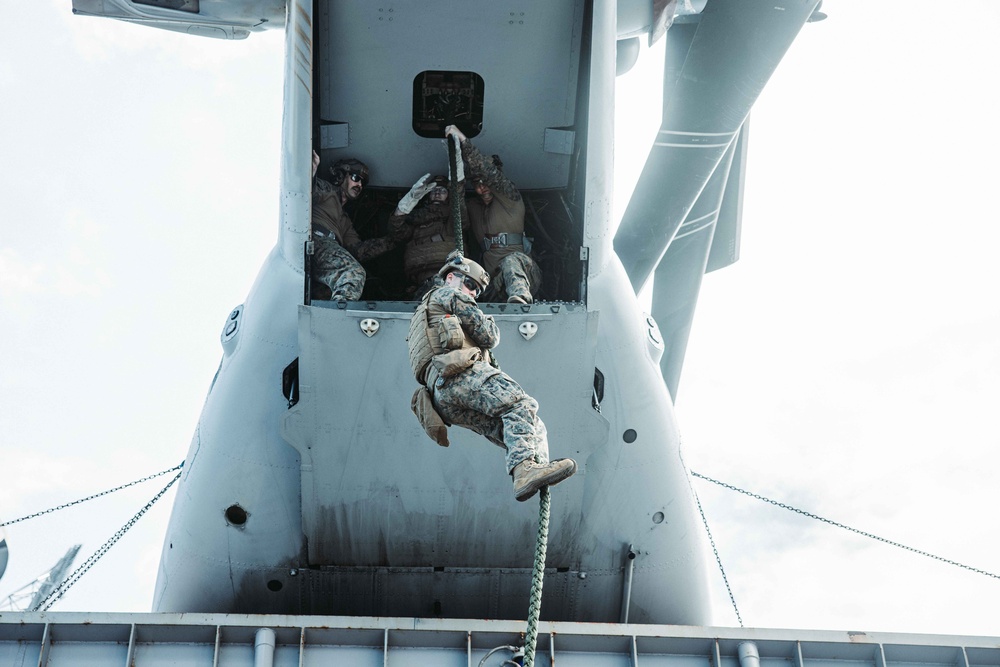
{"x": 309, "y": 486}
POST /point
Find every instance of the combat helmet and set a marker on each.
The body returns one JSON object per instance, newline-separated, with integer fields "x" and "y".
{"x": 349, "y": 165}
{"x": 456, "y": 262}
{"x": 497, "y": 162}
{"x": 440, "y": 183}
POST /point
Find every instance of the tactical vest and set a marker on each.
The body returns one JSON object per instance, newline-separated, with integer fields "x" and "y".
{"x": 433, "y": 237}
{"x": 419, "y": 342}
{"x": 422, "y": 261}
{"x": 422, "y": 339}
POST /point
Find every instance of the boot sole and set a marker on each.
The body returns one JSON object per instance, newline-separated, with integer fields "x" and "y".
{"x": 529, "y": 492}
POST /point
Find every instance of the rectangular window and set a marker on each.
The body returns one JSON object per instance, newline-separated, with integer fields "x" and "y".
{"x": 447, "y": 98}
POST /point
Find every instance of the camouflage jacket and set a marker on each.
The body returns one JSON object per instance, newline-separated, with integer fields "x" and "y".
{"x": 330, "y": 219}
{"x": 480, "y": 332}
{"x": 427, "y": 223}
{"x": 480, "y": 329}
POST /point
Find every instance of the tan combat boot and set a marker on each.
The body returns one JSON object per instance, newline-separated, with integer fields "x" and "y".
{"x": 529, "y": 476}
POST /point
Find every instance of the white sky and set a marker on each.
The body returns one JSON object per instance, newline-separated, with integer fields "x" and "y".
{"x": 848, "y": 364}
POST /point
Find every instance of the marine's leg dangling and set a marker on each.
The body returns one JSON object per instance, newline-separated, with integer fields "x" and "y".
{"x": 337, "y": 269}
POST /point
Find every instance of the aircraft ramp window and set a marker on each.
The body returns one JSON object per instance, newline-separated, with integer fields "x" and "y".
{"x": 443, "y": 98}
{"x": 190, "y": 6}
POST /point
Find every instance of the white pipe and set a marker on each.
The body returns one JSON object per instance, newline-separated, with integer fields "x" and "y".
{"x": 749, "y": 657}
{"x": 263, "y": 648}
{"x": 627, "y": 587}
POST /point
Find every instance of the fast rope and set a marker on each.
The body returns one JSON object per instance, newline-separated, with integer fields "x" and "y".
{"x": 537, "y": 575}
{"x": 454, "y": 195}
{"x": 840, "y": 525}
{"x": 96, "y": 495}
{"x": 67, "y": 583}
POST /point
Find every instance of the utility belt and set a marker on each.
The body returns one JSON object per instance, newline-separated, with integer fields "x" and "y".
{"x": 436, "y": 238}
{"x": 502, "y": 240}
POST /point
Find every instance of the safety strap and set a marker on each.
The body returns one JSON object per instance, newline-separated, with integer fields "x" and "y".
{"x": 502, "y": 240}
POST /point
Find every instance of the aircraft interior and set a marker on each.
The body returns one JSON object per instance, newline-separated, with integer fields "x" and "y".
{"x": 549, "y": 222}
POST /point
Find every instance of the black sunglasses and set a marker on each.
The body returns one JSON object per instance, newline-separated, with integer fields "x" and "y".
{"x": 471, "y": 285}
{"x": 358, "y": 178}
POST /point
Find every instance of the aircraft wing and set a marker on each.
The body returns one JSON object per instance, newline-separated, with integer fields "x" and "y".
{"x": 684, "y": 217}
{"x": 221, "y": 19}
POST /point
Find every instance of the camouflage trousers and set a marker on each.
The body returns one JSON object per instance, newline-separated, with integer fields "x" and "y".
{"x": 489, "y": 402}
{"x": 336, "y": 268}
{"x": 516, "y": 275}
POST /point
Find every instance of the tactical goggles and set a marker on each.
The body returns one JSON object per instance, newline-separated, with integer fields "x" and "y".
{"x": 471, "y": 285}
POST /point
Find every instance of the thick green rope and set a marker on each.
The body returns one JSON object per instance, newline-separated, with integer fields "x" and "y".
{"x": 455, "y": 194}
{"x": 537, "y": 575}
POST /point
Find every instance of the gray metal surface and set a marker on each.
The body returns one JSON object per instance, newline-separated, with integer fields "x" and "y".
{"x": 370, "y": 87}
{"x": 219, "y": 19}
{"x": 123, "y": 640}
{"x": 395, "y": 524}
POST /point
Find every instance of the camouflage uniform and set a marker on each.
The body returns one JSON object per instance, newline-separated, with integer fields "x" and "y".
{"x": 338, "y": 249}
{"x": 508, "y": 264}
{"x": 430, "y": 235}
{"x": 483, "y": 398}
{"x": 516, "y": 274}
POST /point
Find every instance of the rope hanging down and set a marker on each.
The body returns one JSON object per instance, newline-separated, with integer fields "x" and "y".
{"x": 537, "y": 576}
{"x": 67, "y": 583}
{"x": 454, "y": 195}
{"x": 840, "y": 525}
{"x": 96, "y": 495}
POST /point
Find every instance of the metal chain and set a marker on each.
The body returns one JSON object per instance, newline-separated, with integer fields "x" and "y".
{"x": 718, "y": 559}
{"x": 97, "y": 495}
{"x": 537, "y": 576}
{"x": 840, "y": 525}
{"x": 67, "y": 583}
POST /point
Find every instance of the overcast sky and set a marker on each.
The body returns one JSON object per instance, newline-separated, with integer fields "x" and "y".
{"x": 848, "y": 364}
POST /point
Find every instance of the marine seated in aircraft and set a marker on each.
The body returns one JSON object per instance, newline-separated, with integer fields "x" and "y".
{"x": 423, "y": 220}
{"x": 339, "y": 250}
{"x": 496, "y": 215}
{"x": 449, "y": 344}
